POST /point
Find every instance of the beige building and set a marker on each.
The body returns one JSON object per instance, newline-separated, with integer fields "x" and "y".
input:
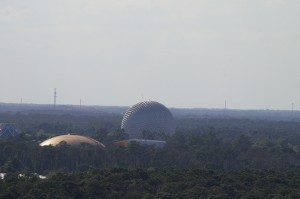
{"x": 73, "y": 140}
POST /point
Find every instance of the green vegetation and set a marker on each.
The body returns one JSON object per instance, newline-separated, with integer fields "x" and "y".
{"x": 154, "y": 183}
{"x": 206, "y": 158}
{"x": 201, "y": 151}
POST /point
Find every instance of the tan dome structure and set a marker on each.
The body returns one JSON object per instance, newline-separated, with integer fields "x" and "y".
{"x": 73, "y": 140}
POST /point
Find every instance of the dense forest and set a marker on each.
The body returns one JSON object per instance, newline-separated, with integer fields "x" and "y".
{"x": 150, "y": 183}
{"x": 206, "y": 158}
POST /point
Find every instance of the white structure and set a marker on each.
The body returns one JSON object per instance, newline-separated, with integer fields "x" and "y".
{"x": 73, "y": 140}
{"x": 154, "y": 143}
{"x": 8, "y": 129}
{"x": 148, "y": 116}
{"x": 2, "y": 176}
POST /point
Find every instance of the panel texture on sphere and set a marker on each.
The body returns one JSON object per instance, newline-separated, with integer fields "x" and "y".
{"x": 148, "y": 116}
{"x": 8, "y": 130}
{"x": 73, "y": 140}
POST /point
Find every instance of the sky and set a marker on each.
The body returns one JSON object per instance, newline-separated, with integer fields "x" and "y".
{"x": 191, "y": 53}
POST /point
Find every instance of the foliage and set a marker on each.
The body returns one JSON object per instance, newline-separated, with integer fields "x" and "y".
{"x": 154, "y": 183}
{"x": 206, "y": 158}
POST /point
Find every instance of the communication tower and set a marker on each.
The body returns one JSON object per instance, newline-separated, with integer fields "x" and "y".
{"x": 55, "y": 96}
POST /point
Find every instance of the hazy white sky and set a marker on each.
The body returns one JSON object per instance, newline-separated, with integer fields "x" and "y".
{"x": 191, "y": 53}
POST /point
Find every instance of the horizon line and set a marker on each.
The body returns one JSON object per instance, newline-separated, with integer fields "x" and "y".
{"x": 93, "y": 105}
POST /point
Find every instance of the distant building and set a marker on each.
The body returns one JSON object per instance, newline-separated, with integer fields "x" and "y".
{"x": 8, "y": 130}
{"x": 154, "y": 143}
{"x": 72, "y": 140}
{"x": 2, "y": 176}
{"x": 148, "y": 116}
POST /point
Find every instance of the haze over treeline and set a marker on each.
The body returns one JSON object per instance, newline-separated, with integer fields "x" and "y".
{"x": 275, "y": 115}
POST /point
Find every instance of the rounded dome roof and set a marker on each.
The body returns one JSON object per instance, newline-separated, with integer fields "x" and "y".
{"x": 148, "y": 116}
{"x": 73, "y": 140}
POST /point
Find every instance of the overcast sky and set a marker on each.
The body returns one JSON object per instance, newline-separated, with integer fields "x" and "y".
{"x": 191, "y": 53}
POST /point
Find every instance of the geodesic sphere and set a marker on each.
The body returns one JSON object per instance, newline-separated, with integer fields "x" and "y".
{"x": 149, "y": 116}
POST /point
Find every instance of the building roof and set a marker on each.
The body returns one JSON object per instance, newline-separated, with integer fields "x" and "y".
{"x": 153, "y": 143}
{"x": 73, "y": 140}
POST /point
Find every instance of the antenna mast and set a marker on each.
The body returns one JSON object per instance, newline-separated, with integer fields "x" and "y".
{"x": 225, "y": 109}
{"x": 55, "y": 96}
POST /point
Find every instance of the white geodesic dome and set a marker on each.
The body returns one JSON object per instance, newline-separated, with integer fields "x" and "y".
{"x": 148, "y": 116}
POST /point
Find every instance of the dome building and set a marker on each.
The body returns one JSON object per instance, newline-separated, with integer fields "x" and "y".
{"x": 73, "y": 140}
{"x": 8, "y": 130}
{"x": 148, "y": 116}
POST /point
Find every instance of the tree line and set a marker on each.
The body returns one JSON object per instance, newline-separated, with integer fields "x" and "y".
{"x": 153, "y": 183}
{"x": 202, "y": 151}
{"x": 205, "y": 158}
